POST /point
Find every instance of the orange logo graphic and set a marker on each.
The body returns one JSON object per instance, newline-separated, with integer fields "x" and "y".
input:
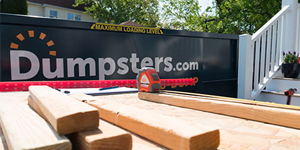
{"x": 31, "y": 35}
{"x": 144, "y": 80}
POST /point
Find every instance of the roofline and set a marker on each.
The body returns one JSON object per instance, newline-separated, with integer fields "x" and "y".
{"x": 49, "y": 5}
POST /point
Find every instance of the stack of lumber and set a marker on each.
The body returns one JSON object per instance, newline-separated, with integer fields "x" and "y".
{"x": 72, "y": 122}
{"x": 69, "y": 123}
{"x": 59, "y": 116}
{"x": 167, "y": 131}
{"x": 235, "y": 132}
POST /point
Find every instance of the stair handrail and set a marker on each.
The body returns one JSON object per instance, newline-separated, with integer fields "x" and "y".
{"x": 270, "y": 22}
{"x": 260, "y": 55}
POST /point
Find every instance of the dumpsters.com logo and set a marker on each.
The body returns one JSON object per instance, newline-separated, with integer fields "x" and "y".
{"x": 17, "y": 54}
{"x": 106, "y": 66}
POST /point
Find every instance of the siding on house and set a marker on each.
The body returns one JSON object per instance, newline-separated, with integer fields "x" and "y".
{"x": 62, "y": 7}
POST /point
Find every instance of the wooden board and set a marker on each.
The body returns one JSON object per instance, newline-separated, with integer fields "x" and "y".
{"x": 229, "y": 99}
{"x": 35, "y": 107}
{"x": 273, "y": 115}
{"x": 233, "y": 130}
{"x": 64, "y": 113}
{"x": 235, "y": 133}
{"x": 107, "y": 136}
{"x": 167, "y": 131}
{"x": 24, "y": 129}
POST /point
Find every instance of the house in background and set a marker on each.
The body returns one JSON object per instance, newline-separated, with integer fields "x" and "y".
{"x": 61, "y": 9}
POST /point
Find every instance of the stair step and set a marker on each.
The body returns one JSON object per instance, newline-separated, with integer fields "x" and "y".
{"x": 279, "y": 93}
{"x": 282, "y": 78}
{"x": 282, "y": 84}
{"x": 277, "y": 97}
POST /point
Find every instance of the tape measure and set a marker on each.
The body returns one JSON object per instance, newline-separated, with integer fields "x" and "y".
{"x": 148, "y": 80}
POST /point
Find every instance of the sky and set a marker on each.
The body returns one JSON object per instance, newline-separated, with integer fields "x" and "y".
{"x": 205, "y": 4}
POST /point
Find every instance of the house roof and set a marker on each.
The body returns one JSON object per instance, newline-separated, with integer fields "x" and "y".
{"x": 60, "y": 3}
{"x": 130, "y": 23}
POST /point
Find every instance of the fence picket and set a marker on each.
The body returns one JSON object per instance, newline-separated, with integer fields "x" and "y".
{"x": 297, "y": 46}
{"x": 268, "y": 55}
{"x": 262, "y": 59}
{"x": 279, "y": 36}
{"x": 256, "y": 64}
{"x": 274, "y": 32}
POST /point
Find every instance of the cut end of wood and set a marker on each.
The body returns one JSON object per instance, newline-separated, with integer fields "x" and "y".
{"x": 200, "y": 141}
{"x": 64, "y": 113}
{"x": 78, "y": 122}
{"x": 107, "y": 136}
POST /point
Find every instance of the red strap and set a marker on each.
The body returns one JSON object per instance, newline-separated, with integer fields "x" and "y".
{"x": 23, "y": 85}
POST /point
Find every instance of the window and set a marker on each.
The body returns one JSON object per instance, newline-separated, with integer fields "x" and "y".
{"x": 53, "y": 14}
{"x": 71, "y": 16}
{"x": 77, "y": 17}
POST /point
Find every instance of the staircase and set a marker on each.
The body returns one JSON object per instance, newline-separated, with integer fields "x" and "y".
{"x": 260, "y": 57}
{"x": 275, "y": 89}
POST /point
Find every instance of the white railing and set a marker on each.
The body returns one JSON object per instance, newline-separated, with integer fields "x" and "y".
{"x": 297, "y": 46}
{"x": 260, "y": 55}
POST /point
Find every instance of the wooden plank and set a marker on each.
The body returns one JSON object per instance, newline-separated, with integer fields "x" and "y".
{"x": 107, "y": 136}
{"x": 3, "y": 145}
{"x": 273, "y": 115}
{"x": 35, "y": 107}
{"x": 234, "y": 100}
{"x": 64, "y": 113}
{"x": 168, "y": 131}
{"x": 24, "y": 129}
{"x": 233, "y": 131}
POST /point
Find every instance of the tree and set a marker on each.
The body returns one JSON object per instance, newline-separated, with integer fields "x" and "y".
{"x": 181, "y": 14}
{"x": 144, "y": 12}
{"x": 226, "y": 16}
{"x": 14, "y": 6}
{"x": 240, "y": 16}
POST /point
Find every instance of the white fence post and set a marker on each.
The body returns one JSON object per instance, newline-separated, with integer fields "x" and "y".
{"x": 298, "y": 30}
{"x": 289, "y": 38}
{"x": 245, "y": 71}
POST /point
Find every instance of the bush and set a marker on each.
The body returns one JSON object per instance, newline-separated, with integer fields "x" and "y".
{"x": 290, "y": 58}
{"x": 14, "y": 6}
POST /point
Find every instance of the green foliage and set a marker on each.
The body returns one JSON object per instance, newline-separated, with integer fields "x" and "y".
{"x": 226, "y": 16}
{"x": 242, "y": 16}
{"x": 290, "y": 58}
{"x": 144, "y": 12}
{"x": 14, "y": 6}
{"x": 181, "y": 14}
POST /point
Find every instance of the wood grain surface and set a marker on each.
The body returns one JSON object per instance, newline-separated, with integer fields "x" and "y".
{"x": 24, "y": 129}
{"x": 106, "y": 137}
{"x": 167, "y": 131}
{"x": 279, "y": 116}
{"x": 64, "y": 113}
{"x": 235, "y": 133}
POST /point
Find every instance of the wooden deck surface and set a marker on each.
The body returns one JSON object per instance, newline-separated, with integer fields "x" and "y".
{"x": 235, "y": 133}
